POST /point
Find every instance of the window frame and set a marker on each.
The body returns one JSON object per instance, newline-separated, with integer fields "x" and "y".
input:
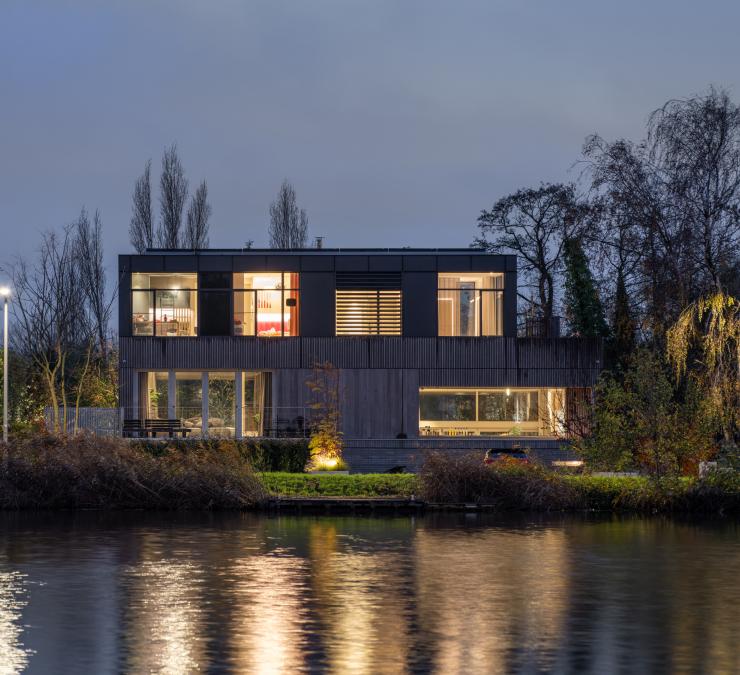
{"x": 478, "y": 294}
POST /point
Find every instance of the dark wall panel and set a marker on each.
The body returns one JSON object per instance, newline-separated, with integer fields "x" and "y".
{"x": 283, "y": 263}
{"x": 384, "y": 263}
{"x": 488, "y": 263}
{"x": 317, "y": 263}
{"x": 147, "y": 263}
{"x": 180, "y": 263}
{"x": 419, "y": 304}
{"x": 510, "y": 302}
{"x": 215, "y": 263}
{"x": 317, "y": 304}
{"x": 351, "y": 263}
{"x": 250, "y": 263}
{"x": 453, "y": 263}
{"x": 124, "y": 296}
{"x": 420, "y": 263}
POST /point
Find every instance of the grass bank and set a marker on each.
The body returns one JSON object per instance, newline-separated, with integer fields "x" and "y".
{"x": 342, "y": 485}
{"x": 89, "y": 472}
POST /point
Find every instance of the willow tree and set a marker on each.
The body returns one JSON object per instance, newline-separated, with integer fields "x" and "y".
{"x": 705, "y": 342}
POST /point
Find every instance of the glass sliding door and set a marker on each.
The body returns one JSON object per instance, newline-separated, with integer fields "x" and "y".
{"x": 189, "y": 401}
{"x": 221, "y": 404}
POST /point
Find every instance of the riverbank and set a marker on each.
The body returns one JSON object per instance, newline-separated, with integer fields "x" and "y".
{"x": 96, "y": 473}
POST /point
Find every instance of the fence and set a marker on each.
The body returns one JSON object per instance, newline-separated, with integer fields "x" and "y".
{"x": 100, "y": 421}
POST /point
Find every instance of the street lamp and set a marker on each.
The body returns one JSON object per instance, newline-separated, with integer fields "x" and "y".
{"x": 5, "y": 293}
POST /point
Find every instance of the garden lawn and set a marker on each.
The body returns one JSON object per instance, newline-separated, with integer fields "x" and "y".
{"x": 342, "y": 485}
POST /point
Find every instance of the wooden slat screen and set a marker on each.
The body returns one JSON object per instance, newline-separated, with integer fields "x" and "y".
{"x": 368, "y": 312}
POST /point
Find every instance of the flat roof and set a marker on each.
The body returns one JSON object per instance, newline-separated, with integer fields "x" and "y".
{"x": 314, "y": 251}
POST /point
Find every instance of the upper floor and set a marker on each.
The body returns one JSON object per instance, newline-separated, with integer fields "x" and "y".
{"x": 269, "y": 293}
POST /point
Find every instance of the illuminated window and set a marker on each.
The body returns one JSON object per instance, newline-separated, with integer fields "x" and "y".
{"x": 164, "y": 305}
{"x": 368, "y": 312}
{"x": 491, "y": 412}
{"x": 470, "y": 304}
{"x": 266, "y": 304}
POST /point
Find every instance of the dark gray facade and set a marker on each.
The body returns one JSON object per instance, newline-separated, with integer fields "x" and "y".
{"x": 380, "y": 375}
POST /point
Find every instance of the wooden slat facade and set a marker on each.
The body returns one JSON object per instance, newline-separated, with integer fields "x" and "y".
{"x": 561, "y": 361}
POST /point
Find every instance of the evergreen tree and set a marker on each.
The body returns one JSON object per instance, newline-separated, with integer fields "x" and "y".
{"x": 623, "y": 325}
{"x": 583, "y": 308}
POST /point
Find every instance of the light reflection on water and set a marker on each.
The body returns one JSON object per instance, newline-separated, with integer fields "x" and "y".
{"x": 159, "y": 593}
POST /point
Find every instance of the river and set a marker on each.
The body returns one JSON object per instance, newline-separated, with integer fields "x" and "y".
{"x": 93, "y": 592}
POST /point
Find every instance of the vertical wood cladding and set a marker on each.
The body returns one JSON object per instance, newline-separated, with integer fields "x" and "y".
{"x": 564, "y": 362}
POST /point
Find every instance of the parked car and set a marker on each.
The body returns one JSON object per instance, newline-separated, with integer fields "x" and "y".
{"x": 516, "y": 455}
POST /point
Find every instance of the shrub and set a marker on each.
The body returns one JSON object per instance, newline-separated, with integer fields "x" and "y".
{"x": 458, "y": 479}
{"x": 449, "y": 479}
{"x": 93, "y": 472}
{"x": 264, "y": 454}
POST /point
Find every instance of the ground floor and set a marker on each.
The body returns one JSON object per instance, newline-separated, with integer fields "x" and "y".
{"x": 372, "y": 404}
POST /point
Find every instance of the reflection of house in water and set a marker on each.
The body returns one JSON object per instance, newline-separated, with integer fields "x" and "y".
{"x": 491, "y": 600}
{"x": 362, "y": 594}
{"x": 655, "y": 593}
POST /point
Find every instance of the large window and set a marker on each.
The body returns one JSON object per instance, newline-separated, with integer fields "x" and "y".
{"x": 491, "y": 412}
{"x": 164, "y": 305}
{"x": 470, "y": 304}
{"x": 266, "y": 304}
{"x": 368, "y": 312}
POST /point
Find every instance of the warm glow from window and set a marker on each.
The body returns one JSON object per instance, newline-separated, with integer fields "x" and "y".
{"x": 371, "y": 312}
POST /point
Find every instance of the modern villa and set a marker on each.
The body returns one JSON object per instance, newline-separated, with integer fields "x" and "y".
{"x": 424, "y": 342}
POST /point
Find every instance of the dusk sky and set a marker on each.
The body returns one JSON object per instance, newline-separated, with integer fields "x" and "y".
{"x": 397, "y": 122}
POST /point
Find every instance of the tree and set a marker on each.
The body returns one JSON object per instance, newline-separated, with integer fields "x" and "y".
{"x": 639, "y": 422}
{"x": 534, "y": 224}
{"x": 288, "y": 224}
{"x": 326, "y": 438}
{"x": 676, "y": 198}
{"x": 622, "y": 343}
{"x": 141, "y": 229}
{"x": 196, "y": 232}
{"x": 89, "y": 254}
{"x": 173, "y": 188}
{"x": 50, "y": 317}
{"x": 583, "y": 308}
{"x": 710, "y": 329}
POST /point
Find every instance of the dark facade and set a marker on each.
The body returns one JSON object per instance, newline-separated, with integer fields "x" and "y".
{"x": 424, "y": 342}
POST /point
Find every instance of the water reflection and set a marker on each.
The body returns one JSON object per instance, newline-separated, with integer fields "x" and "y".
{"x": 13, "y": 656}
{"x": 451, "y": 594}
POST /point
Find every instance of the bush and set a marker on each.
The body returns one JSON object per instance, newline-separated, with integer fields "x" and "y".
{"x": 465, "y": 479}
{"x": 264, "y": 454}
{"x": 93, "y": 472}
{"x": 450, "y": 479}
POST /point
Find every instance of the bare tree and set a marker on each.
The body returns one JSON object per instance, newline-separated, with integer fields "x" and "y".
{"x": 695, "y": 145}
{"x": 141, "y": 228}
{"x": 50, "y": 315}
{"x": 678, "y": 198}
{"x": 288, "y": 224}
{"x": 91, "y": 270}
{"x": 196, "y": 231}
{"x": 173, "y": 192}
{"x": 534, "y": 224}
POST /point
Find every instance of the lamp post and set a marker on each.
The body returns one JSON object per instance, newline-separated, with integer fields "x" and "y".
{"x": 5, "y": 292}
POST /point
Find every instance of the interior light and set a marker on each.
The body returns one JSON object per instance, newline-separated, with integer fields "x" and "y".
{"x": 508, "y": 391}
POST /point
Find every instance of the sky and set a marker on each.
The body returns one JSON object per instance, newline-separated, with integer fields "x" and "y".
{"x": 397, "y": 121}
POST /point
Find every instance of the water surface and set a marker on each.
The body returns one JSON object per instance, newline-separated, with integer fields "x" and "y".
{"x": 454, "y": 593}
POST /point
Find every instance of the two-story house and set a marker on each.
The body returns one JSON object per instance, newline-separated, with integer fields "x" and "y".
{"x": 424, "y": 343}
